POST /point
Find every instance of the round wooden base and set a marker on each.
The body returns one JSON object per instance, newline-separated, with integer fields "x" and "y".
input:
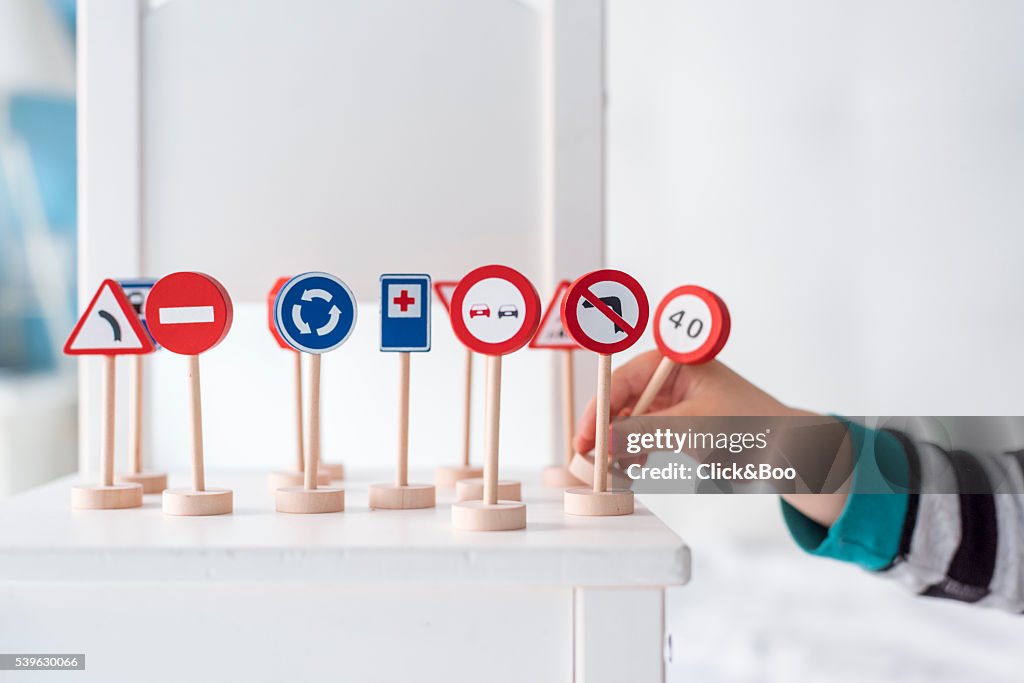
{"x": 113, "y": 497}
{"x": 473, "y": 489}
{"x": 445, "y": 477}
{"x": 559, "y": 477}
{"x": 410, "y": 497}
{"x": 283, "y": 480}
{"x": 582, "y": 467}
{"x": 334, "y": 470}
{"x": 475, "y": 515}
{"x": 587, "y": 502}
{"x": 189, "y": 503}
{"x": 152, "y": 482}
{"x": 303, "y": 501}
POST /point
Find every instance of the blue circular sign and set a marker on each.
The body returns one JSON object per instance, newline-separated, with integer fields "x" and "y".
{"x": 315, "y": 312}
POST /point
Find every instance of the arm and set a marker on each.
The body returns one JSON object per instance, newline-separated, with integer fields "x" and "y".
{"x": 957, "y": 533}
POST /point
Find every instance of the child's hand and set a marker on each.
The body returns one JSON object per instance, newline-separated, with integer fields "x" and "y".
{"x": 691, "y": 390}
{"x": 711, "y": 389}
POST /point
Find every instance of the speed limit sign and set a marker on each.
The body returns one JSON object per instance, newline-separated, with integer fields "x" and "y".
{"x": 691, "y": 325}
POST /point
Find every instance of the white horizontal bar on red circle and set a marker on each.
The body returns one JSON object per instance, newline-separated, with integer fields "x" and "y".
{"x": 186, "y": 314}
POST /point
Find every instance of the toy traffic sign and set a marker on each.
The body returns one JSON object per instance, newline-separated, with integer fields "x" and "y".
{"x": 109, "y": 327}
{"x": 315, "y": 313}
{"x": 495, "y": 311}
{"x": 691, "y": 326}
{"x": 444, "y": 290}
{"x": 404, "y": 327}
{"x": 294, "y": 477}
{"x": 271, "y": 321}
{"x": 552, "y": 335}
{"x": 606, "y": 312}
{"x": 445, "y": 476}
{"x": 189, "y": 313}
{"x": 405, "y": 313}
{"x": 136, "y": 290}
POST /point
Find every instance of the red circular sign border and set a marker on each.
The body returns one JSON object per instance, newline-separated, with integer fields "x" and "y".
{"x": 575, "y": 293}
{"x": 174, "y": 347}
{"x": 531, "y": 317}
{"x": 707, "y": 351}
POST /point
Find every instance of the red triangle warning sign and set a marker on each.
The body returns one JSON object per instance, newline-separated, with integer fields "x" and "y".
{"x": 550, "y": 333}
{"x": 444, "y": 290}
{"x": 109, "y": 327}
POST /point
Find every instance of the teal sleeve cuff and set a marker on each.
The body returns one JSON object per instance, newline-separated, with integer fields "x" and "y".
{"x": 869, "y": 528}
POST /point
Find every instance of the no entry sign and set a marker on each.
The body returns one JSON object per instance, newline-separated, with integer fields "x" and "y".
{"x": 605, "y": 311}
{"x": 188, "y": 313}
{"x": 495, "y": 310}
{"x": 691, "y": 325}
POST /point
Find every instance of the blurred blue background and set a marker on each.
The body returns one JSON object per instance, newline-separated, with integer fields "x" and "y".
{"x": 38, "y": 210}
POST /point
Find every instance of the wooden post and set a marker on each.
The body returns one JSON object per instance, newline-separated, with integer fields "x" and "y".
{"x": 654, "y": 385}
{"x": 109, "y": 389}
{"x": 604, "y": 386}
{"x": 198, "y": 474}
{"x": 311, "y": 498}
{"x": 599, "y": 500}
{"x": 107, "y": 495}
{"x": 136, "y": 414}
{"x": 492, "y": 429}
{"x": 313, "y": 438}
{"x": 402, "y": 471}
{"x": 299, "y": 447}
{"x": 568, "y": 402}
{"x": 468, "y": 408}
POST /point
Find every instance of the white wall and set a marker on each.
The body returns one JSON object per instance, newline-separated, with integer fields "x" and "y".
{"x": 847, "y": 175}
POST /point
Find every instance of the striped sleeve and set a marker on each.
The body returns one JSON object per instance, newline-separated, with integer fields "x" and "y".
{"x": 961, "y": 535}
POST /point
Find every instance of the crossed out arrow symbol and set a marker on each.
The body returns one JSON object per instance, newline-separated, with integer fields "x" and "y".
{"x": 304, "y": 327}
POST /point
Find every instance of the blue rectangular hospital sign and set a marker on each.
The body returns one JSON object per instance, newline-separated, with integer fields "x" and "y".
{"x": 405, "y": 312}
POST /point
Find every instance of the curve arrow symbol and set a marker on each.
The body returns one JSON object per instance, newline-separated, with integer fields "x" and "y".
{"x": 311, "y": 294}
{"x": 297, "y": 319}
{"x": 330, "y": 324}
{"x": 115, "y": 326}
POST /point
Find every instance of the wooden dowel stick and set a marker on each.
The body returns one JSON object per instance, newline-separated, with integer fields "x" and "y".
{"x": 402, "y": 473}
{"x": 313, "y": 438}
{"x": 109, "y": 388}
{"x": 568, "y": 403}
{"x": 654, "y": 385}
{"x": 492, "y": 415}
{"x": 468, "y": 407}
{"x": 604, "y": 385}
{"x": 136, "y": 414}
{"x": 299, "y": 447}
{"x": 198, "y": 474}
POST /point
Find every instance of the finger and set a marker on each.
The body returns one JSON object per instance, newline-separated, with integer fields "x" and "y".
{"x": 628, "y": 382}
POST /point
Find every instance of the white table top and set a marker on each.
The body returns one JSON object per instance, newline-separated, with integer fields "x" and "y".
{"x": 43, "y": 539}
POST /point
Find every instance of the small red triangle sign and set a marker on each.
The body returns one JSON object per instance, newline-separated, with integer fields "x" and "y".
{"x": 550, "y": 334}
{"x": 109, "y": 327}
{"x": 444, "y": 290}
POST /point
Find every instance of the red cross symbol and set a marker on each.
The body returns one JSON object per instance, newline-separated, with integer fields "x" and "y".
{"x": 404, "y": 300}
